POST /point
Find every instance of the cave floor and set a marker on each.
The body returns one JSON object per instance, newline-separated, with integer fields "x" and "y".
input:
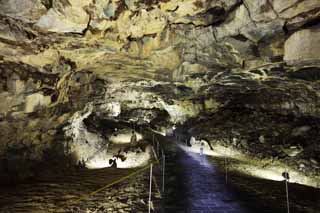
{"x": 59, "y": 193}
{"x": 193, "y": 184}
{"x": 197, "y": 184}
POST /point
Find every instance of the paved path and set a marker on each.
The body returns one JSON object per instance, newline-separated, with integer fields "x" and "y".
{"x": 194, "y": 185}
{"x": 206, "y": 188}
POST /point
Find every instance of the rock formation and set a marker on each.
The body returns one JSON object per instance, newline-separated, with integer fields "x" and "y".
{"x": 209, "y": 66}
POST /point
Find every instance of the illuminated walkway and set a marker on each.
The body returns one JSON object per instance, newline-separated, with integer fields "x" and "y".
{"x": 206, "y": 190}
{"x": 195, "y": 186}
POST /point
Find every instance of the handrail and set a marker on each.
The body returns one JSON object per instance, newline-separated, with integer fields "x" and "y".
{"x": 162, "y": 158}
{"x": 113, "y": 183}
{"x": 139, "y": 171}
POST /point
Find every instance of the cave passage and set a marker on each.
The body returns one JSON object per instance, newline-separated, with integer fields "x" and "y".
{"x": 197, "y": 183}
{"x": 84, "y": 84}
{"x": 203, "y": 188}
{"x": 193, "y": 183}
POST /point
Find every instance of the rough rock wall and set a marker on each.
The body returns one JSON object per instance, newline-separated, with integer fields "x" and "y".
{"x": 151, "y": 59}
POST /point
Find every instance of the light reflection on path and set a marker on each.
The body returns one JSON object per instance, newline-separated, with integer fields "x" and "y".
{"x": 206, "y": 189}
{"x": 202, "y": 160}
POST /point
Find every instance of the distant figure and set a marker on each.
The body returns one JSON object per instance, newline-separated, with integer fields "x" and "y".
{"x": 173, "y": 131}
{"x": 83, "y": 163}
{"x": 201, "y": 149}
{"x": 285, "y": 175}
{"x": 201, "y": 153}
{"x": 113, "y": 162}
{"x": 192, "y": 141}
{"x": 80, "y": 164}
{"x": 115, "y": 132}
{"x": 133, "y": 139}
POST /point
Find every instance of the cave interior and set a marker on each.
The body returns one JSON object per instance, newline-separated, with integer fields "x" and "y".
{"x": 222, "y": 97}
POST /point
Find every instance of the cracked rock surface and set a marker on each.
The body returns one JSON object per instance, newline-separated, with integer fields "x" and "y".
{"x": 249, "y": 69}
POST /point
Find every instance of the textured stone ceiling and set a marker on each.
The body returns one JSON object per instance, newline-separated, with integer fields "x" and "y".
{"x": 152, "y": 58}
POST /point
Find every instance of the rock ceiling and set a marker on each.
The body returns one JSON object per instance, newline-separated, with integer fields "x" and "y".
{"x": 152, "y": 57}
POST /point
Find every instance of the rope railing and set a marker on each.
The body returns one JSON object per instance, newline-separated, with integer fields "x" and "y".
{"x": 159, "y": 154}
{"x": 135, "y": 173}
{"x": 157, "y": 150}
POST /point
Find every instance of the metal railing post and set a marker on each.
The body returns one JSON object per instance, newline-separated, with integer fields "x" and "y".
{"x": 150, "y": 188}
{"x": 158, "y": 151}
{"x": 226, "y": 168}
{"x": 163, "y": 169}
{"x": 287, "y": 193}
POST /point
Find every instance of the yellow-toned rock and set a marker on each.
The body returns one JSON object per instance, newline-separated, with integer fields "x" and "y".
{"x": 73, "y": 19}
{"x": 36, "y": 100}
{"x": 146, "y": 23}
{"x": 303, "y": 47}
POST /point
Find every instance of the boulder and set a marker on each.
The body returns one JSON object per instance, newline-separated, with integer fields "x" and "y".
{"x": 36, "y": 100}
{"x": 71, "y": 19}
{"x": 240, "y": 19}
{"x": 303, "y": 47}
{"x": 29, "y": 11}
{"x": 260, "y": 10}
{"x": 262, "y": 139}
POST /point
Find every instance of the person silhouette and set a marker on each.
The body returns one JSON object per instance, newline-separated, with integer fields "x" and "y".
{"x": 83, "y": 163}
{"x": 133, "y": 138}
{"x": 201, "y": 148}
{"x": 201, "y": 153}
{"x": 113, "y": 162}
{"x": 192, "y": 141}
